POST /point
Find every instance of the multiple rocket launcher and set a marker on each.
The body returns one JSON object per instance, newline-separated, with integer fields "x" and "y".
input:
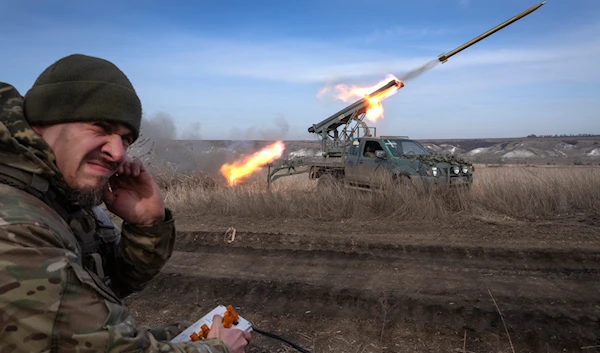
{"x": 360, "y": 107}
{"x": 334, "y": 145}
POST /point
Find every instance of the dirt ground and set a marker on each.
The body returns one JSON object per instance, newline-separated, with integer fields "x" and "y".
{"x": 367, "y": 286}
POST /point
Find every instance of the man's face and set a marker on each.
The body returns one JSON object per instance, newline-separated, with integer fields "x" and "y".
{"x": 87, "y": 154}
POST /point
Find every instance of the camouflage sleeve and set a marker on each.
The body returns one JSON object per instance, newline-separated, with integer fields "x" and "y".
{"x": 49, "y": 302}
{"x": 141, "y": 254}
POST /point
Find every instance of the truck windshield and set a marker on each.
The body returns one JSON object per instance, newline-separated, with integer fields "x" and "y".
{"x": 399, "y": 148}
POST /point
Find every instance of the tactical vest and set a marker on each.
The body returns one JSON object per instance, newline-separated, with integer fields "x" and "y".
{"x": 97, "y": 236}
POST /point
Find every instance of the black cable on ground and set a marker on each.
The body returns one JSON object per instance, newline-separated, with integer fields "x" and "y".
{"x": 272, "y": 335}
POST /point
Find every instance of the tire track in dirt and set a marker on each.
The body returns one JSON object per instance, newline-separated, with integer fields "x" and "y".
{"x": 371, "y": 245}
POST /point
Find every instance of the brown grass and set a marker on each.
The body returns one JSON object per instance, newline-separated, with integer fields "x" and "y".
{"x": 518, "y": 192}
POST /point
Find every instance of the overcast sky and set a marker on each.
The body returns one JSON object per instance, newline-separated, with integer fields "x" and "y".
{"x": 231, "y": 68}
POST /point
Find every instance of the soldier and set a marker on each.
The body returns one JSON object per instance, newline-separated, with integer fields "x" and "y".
{"x": 369, "y": 151}
{"x": 65, "y": 268}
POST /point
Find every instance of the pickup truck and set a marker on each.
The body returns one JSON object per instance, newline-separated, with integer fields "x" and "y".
{"x": 372, "y": 162}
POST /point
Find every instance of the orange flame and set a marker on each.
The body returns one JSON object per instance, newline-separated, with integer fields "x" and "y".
{"x": 349, "y": 94}
{"x": 237, "y": 171}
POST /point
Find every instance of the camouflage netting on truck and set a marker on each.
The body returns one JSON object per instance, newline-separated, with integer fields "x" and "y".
{"x": 433, "y": 159}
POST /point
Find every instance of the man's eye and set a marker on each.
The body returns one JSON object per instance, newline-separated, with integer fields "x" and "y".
{"x": 126, "y": 141}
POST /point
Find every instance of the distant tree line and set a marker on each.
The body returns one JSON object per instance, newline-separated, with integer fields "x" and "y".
{"x": 564, "y": 135}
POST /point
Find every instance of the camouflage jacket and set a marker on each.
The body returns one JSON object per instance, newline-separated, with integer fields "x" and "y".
{"x": 50, "y": 301}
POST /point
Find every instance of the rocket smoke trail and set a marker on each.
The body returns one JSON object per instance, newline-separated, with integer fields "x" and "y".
{"x": 444, "y": 57}
{"x": 419, "y": 70}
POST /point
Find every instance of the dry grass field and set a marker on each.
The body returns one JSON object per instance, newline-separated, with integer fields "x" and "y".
{"x": 515, "y": 191}
{"x": 511, "y": 266}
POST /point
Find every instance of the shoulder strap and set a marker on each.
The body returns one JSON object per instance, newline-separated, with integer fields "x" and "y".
{"x": 33, "y": 184}
{"x": 30, "y": 182}
{"x": 82, "y": 223}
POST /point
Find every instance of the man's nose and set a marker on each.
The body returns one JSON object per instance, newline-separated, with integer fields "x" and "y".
{"x": 113, "y": 149}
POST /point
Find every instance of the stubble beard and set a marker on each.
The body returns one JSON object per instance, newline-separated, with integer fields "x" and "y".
{"x": 88, "y": 196}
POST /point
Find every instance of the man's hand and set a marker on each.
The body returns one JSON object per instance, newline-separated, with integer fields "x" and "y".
{"x": 236, "y": 340}
{"x": 135, "y": 196}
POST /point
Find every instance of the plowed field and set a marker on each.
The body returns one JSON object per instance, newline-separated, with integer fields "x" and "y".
{"x": 409, "y": 287}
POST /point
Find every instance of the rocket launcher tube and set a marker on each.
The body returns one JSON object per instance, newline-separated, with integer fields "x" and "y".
{"x": 361, "y": 106}
{"x": 444, "y": 57}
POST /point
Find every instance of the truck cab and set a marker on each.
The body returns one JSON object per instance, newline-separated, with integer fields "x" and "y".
{"x": 373, "y": 161}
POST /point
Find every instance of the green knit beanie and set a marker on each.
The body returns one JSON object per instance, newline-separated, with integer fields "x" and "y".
{"x": 81, "y": 88}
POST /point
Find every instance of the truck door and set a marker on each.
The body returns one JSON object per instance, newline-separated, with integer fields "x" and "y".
{"x": 369, "y": 166}
{"x": 351, "y": 166}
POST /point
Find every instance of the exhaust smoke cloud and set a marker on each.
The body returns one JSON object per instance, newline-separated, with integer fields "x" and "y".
{"x": 159, "y": 148}
{"x": 278, "y": 131}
